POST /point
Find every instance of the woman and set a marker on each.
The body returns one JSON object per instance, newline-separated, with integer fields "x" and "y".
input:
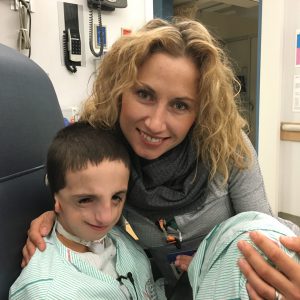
{"x": 168, "y": 92}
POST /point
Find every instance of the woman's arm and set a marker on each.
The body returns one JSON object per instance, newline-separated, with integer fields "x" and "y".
{"x": 39, "y": 227}
{"x": 246, "y": 187}
{"x": 262, "y": 278}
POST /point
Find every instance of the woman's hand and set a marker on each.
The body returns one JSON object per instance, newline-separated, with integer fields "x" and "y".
{"x": 262, "y": 279}
{"x": 39, "y": 227}
{"x": 183, "y": 262}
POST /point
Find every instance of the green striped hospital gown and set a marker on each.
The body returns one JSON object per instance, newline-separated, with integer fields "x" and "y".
{"x": 59, "y": 273}
{"x": 213, "y": 272}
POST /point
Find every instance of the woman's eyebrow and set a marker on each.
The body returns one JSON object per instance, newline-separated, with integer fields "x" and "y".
{"x": 146, "y": 86}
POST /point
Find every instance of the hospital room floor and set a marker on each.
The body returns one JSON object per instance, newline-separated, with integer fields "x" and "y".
{"x": 294, "y": 219}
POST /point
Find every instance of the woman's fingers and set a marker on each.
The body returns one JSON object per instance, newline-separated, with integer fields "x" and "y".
{"x": 252, "y": 293}
{"x": 39, "y": 228}
{"x": 28, "y": 251}
{"x": 292, "y": 243}
{"x": 283, "y": 262}
{"x": 183, "y": 262}
{"x": 262, "y": 277}
{"x": 47, "y": 222}
{"x": 256, "y": 287}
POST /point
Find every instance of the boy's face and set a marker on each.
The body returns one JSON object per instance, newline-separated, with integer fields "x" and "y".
{"x": 91, "y": 203}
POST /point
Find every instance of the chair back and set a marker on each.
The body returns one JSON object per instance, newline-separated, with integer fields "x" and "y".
{"x": 29, "y": 118}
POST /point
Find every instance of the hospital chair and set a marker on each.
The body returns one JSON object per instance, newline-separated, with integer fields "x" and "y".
{"x": 29, "y": 117}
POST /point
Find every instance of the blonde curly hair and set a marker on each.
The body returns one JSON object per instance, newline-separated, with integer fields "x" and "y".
{"x": 217, "y": 132}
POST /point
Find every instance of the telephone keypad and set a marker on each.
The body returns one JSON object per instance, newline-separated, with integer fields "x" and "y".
{"x": 76, "y": 46}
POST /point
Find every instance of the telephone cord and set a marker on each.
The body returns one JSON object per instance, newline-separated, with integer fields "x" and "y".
{"x": 24, "y": 38}
{"x": 91, "y": 31}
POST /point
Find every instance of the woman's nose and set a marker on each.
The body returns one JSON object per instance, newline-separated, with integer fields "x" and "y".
{"x": 156, "y": 120}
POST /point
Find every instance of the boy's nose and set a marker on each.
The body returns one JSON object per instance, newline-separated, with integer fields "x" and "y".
{"x": 104, "y": 213}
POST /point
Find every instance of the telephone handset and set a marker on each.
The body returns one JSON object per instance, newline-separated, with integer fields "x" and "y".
{"x": 108, "y": 5}
{"x": 72, "y": 49}
{"x": 74, "y": 45}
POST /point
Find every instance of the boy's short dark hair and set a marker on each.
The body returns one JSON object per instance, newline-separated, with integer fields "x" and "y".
{"x": 77, "y": 145}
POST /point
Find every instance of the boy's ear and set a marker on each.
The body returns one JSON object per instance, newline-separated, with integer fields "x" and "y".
{"x": 57, "y": 206}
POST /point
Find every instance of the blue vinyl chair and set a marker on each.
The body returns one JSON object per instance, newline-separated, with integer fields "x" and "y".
{"x": 29, "y": 118}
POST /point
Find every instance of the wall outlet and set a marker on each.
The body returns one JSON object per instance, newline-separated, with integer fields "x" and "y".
{"x": 71, "y": 114}
{"x": 75, "y": 113}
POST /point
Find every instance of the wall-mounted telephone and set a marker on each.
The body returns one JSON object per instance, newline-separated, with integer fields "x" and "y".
{"x": 108, "y": 5}
{"x": 74, "y": 45}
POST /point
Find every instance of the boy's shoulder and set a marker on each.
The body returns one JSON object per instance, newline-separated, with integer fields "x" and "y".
{"x": 127, "y": 243}
{"x": 119, "y": 233}
{"x": 36, "y": 278}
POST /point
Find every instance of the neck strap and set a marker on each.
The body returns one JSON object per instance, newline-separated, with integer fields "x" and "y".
{"x": 71, "y": 237}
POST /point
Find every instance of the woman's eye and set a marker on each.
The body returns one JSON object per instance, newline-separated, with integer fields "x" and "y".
{"x": 180, "y": 106}
{"x": 143, "y": 94}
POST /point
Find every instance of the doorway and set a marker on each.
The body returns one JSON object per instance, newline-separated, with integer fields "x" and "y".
{"x": 235, "y": 24}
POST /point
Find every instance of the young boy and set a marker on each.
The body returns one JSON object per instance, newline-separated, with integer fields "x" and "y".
{"x": 87, "y": 256}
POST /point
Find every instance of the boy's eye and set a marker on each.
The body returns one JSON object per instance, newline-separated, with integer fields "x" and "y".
{"x": 117, "y": 198}
{"x": 85, "y": 200}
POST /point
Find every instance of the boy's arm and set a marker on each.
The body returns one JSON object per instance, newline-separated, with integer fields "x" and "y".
{"x": 37, "y": 279}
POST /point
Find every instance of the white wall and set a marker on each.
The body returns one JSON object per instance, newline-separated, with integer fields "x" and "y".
{"x": 71, "y": 89}
{"x": 289, "y": 194}
{"x": 280, "y": 160}
{"x": 270, "y": 96}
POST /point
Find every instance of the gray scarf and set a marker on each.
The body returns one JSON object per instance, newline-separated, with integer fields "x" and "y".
{"x": 170, "y": 185}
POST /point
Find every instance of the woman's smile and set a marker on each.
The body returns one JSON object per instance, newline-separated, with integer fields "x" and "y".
{"x": 150, "y": 139}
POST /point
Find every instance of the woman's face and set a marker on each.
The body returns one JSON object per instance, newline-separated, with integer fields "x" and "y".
{"x": 157, "y": 115}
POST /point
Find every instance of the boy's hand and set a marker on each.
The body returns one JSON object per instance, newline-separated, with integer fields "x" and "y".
{"x": 39, "y": 227}
{"x": 183, "y": 261}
